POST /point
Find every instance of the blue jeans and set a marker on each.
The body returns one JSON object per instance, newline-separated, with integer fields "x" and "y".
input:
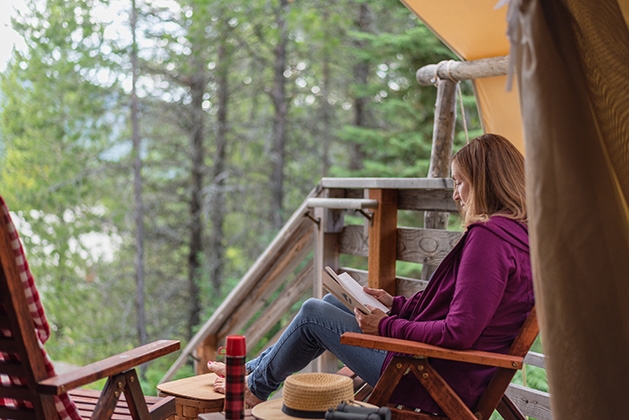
{"x": 316, "y": 328}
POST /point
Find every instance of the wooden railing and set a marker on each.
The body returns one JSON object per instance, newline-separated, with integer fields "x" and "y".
{"x": 319, "y": 233}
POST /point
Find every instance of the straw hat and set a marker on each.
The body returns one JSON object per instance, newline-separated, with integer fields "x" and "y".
{"x": 308, "y": 395}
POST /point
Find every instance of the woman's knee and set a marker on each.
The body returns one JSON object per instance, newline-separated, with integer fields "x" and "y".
{"x": 329, "y": 298}
{"x": 313, "y": 306}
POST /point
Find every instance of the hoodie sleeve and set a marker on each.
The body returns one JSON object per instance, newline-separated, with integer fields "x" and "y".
{"x": 479, "y": 285}
{"x": 398, "y": 304}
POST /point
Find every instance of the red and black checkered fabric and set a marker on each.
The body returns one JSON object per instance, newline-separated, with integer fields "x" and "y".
{"x": 234, "y": 387}
{"x": 65, "y": 406}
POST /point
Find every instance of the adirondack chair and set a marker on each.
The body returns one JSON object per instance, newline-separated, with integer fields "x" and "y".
{"x": 416, "y": 359}
{"x": 122, "y": 395}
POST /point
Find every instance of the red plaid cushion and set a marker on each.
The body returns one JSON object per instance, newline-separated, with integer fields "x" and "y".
{"x": 65, "y": 406}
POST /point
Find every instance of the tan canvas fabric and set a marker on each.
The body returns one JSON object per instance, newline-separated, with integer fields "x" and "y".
{"x": 475, "y": 29}
{"x": 572, "y": 61}
{"x": 500, "y": 109}
{"x": 472, "y": 29}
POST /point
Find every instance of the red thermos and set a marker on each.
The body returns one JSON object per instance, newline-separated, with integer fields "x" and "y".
{"x": 235, "y": 353}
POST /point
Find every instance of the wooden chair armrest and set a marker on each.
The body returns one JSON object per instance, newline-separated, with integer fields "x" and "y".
{"x": 107, "y": 367}
{"x": 416, "y": 348}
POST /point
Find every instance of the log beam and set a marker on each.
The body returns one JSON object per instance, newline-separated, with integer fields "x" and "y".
{"x": 462, "y": 70}
{"x": 442, "y": 138}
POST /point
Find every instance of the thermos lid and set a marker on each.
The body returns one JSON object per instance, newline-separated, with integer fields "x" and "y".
{"x": 235, "y": 346}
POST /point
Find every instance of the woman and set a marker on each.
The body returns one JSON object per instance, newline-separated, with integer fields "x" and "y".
{"x": 478, "y": 297}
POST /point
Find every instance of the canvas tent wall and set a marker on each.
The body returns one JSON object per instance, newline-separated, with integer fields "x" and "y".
{"x": 473, "y": 30}
{"x": 571, "y": 59}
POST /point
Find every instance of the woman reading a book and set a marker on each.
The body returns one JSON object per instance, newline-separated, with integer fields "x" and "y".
{"x": 478, "y": 298}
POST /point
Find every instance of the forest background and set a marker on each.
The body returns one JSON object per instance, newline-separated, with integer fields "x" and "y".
{"x": 150, "y": 150}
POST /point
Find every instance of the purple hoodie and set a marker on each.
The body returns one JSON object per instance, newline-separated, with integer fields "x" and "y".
{"x": 478, "y": 298}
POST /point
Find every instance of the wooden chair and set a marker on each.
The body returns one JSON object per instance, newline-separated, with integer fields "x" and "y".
{"x": 122, "y": 395}
{"x": 416, "y": 359}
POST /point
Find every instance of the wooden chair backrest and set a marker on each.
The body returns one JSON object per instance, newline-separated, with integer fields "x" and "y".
{"x": 501, "y": 379}
{"x": 18, "y": 341}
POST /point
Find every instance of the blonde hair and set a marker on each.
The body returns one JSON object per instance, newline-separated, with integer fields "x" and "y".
{"x": 494, "y": 168}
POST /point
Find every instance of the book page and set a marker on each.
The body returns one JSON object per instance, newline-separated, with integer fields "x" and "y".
{"x": 350, "y": 292}
{"x": 334, "y": 286}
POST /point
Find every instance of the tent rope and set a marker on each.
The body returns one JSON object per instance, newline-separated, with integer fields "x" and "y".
{"x": 463, "y": 117}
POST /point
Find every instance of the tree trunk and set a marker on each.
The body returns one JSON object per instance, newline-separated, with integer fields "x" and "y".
{"x": 326, "y": 109}
{"x": 137, "y": 186}
{"x": 219, "y": 174}
{"x": 280, "y": 104}
{"x": 197, "y": 153}
{"x": 361, "y": 77}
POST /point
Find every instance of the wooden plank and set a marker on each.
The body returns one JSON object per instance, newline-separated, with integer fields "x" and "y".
{"x": 422, "y": 349}
{"x": 12, "y": 368}
{"x": 437, "y": 199}
{"x": 387, "y": 381}
{"x": 107, "y": 367}
{"x": 135, "y": 397}
{"x": 383, "y": 240}
{"x": 535, "y": 359}
{"x": 281, "y": 304}
{"x": 425, "y": 246}
{"x": 353, "y": 241}
{"x": 408, "y": 287}
{"x": 531, "y": 402}
{"x": 426, "y": 200}
{"x": 86, "y": 400}
{"x": 257, "y": 296}
{"x": 440, "y": 391}
{"x": 19, "y": 392}
{"x": 9, "y": 344}
{"x": 17, "y": 414}
{"x": 413, "y": 244}
{"x": 164, "y": 408}
{"x": 387, "y": 183}
{"x": 342, "y": 203}
{"x": 508, "y": 410}
{"x": 205, "y": 352}
{"x": 503, "y": 376}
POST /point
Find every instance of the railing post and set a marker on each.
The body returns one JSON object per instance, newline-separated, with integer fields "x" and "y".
{"x": 326, "y": 252}
{"x": 205, "y": 352}
{"x": 383, "y": 240}
{"x": 326, "y": 248}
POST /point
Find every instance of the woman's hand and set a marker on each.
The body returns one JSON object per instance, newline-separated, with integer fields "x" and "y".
{"x": 385, "y": 298}
{"x": 368, "y": 323}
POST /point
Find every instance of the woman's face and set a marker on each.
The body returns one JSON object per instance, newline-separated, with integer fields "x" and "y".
{"x": 461, "y": 186}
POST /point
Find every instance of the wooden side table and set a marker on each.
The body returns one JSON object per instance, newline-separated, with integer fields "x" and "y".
{"x": 193, "y": 396}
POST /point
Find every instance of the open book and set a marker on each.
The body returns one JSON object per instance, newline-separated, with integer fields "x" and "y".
{"x": 349, "y": 292}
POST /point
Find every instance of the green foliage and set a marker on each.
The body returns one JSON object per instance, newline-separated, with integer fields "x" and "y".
{"x": 66, "y": 155}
